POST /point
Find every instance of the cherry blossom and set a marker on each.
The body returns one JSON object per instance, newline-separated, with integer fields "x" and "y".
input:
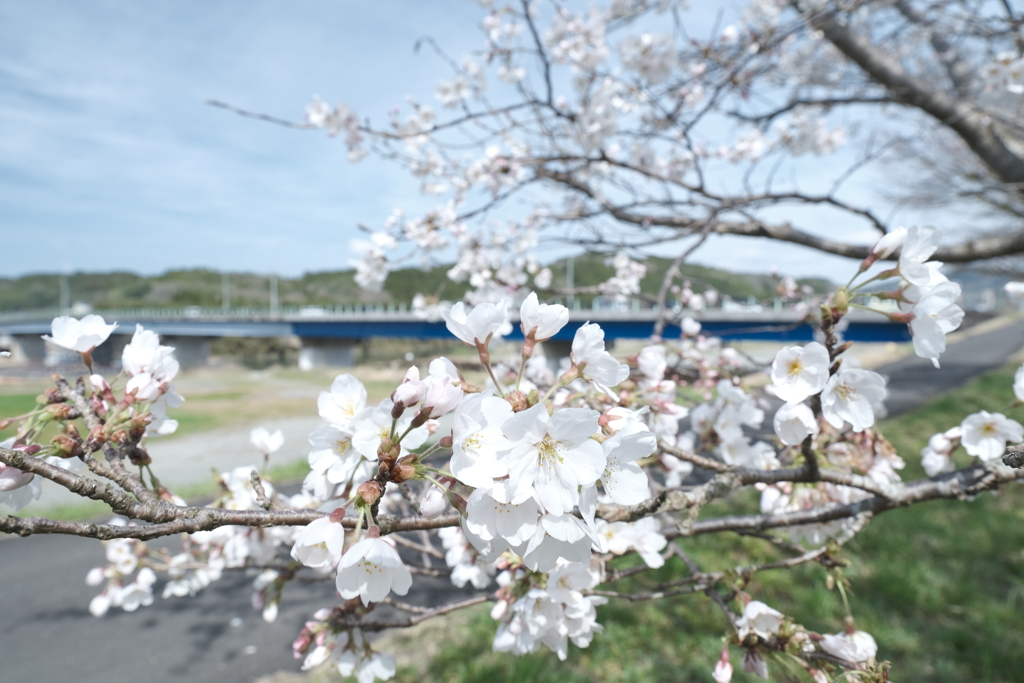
{"x": 151, "y": 365}
{"x": 477, "y": 326}
{"x": 478, "y": 440}
{"x": 623, "y": 480}
{"x": 265, "y": 441}
{"x": 541, "y": 321}
{"x": 850, "y": 396}
{"x": 935, "y": 314}
{"x": 79, "y": 335}
{"x": 441, "y": 397}
{"x": 888, "y": 244}
{"x": 593, "y": 361}
{"x": 794, "y": 422}
{"x": 371, "y": 569}
{"x": 759, "y": 619}
{"x": 553, "y": 455}
{"x": 855, "y": 647}
{"x": 918, "y": 246}
{"x": 1018, "y": 384}
{"x": 985, "y": 434}
{"x": 319, "y": 544}
{"x": 343, "y": 402}
{"x": 800, "y": 372}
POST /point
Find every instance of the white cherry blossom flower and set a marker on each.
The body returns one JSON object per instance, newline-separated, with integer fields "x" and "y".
{"x": 265, "y": 441}
{"x": 985, "y": 434}
{"x": 889, "y": 243}
{"x": 476, "y": 326}
{"x": 690, "y": 327}
{"x": 411, "y": 390}
{"x": 17, "y": 488}
{"x": 353, "y": 657}
{"x": 371, "y": 569}
{"x": 854, "y": 647}
{"x": 557, "y": 537}
{"x": 794, "y": 422}
{"x": 799, "y": 372}
{"x": 11, "y": 478}
{"x": 477, "y": 440}
{"x": 850, "y": 396}
{"x": 623, "y": 480}
{"x": 541, "y": 321}
{"x": 79, "y": 335}
{"x": 936, "y": 314}
{"x": 441, "y": 397}
{"x": 595, "y": 363}
{"x": 489, "y": 515}
{"x": 652, "y": 362}
{"x": 319, "y": 544}
{"x": 918, "y": 246}
{"x": 759, "y": 619}
{"x": 552, "y": 456}
{"x": 936, "y": 462}
{"x": 1018, "y": 384}
{"x": 151, "y": 365}
{"x": 345, "y": 400}
{"x": 139, "y": 593}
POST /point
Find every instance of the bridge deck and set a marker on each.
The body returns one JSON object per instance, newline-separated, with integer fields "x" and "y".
{"x": 767, "y": 325}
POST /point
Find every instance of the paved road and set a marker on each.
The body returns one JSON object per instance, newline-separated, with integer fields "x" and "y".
{"x": 914, "y": 380}
{"x": 48, "y": 636}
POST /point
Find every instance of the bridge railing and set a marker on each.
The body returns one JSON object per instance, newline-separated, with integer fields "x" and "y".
{"x": 601, "y": 306}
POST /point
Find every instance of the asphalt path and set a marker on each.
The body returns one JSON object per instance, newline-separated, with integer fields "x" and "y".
{"x": 913, "y": 380}
{"x": 48, "y": 636}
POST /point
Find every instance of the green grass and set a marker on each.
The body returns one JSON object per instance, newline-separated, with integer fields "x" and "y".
{"x": 940, "y": 586}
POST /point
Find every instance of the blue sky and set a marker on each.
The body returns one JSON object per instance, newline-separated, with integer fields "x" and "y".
{"x": 109, "y": 158}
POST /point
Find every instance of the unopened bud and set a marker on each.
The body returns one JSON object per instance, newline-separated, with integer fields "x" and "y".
{"x": 65, "y": 447}
{"x": 50, "y": 396}
{"x": 388, "y": 451}
{"x": 457, "y": 502}
{"x": 7, "y": 422}
{"x": 517, "y": 400}
{"x": 96, "y": 439}
{"x": 29, "y": 449}
{"x": 369, "y": 492}
{"x": 841, "y": 301}
{"x": 61, "y": 411}
{"x": 406, "y": 469}
{"x": 139, "y": 457}
{"x": 446, "y": 441}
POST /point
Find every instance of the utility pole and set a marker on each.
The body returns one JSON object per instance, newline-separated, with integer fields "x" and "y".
{"x": 225, "y": 293}
{"x": 273, "y": 295}
{"x": 570, "y": 277}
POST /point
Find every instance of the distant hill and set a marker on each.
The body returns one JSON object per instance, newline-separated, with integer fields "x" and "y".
{"x": 201, "y": 287}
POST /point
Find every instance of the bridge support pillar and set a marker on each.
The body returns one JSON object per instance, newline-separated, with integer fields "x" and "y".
{"x": 191, "y": 352}
{"x": 327, "y": 352}
{"x": 28, "y": 348}
{"x": 554, "y": 351}
{"x": 108, "y": 354}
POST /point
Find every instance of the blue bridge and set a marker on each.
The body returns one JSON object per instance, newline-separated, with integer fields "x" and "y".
{"x": 328, "y": 336}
